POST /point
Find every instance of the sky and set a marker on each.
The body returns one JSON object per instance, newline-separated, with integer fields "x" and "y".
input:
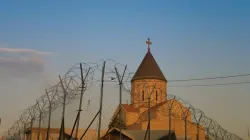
{"x": 190, "y": 39}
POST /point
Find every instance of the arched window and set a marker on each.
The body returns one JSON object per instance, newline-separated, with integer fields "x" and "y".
{"x": 156, "y": 95}
{"x": 142, "y": 95}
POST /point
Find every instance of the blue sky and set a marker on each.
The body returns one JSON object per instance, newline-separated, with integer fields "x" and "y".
{"x": 190, "y": 39}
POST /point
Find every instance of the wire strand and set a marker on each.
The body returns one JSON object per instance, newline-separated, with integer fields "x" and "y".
{"x": 209, "y": 78}
{"x": 211, "y": 84}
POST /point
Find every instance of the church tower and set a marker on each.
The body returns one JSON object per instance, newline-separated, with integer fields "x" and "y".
{"x": 148, "y": 82}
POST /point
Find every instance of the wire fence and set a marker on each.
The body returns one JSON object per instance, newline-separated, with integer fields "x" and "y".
{"x": 83, "y": 101}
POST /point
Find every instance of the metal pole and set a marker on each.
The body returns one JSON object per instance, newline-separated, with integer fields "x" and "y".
{"x": 31, "y": 126}
{"x": 101, "y": 98}
{"x": 149, "y": 118}
{"x": 39, "y": 126}
{"x": 120, "y": 113}
{"x": 64, "y": 104}
{"x": 185, "y": 127}
{"x": 120, "y": 99}
{"x": 64, "y": 97}
{"x": 31, "y": 122}
{"x": 40, "y": 119}
{"x": 89, "y": 125}
{"x": 48, "y": 130}
{"x": 198, "y": 128}
{"x": 72, "y": 131}
{"x": 198, "y": 132}
{"x": 169, "y": 131}
{"x": 170, "y": 114}
{"x": 80, "y": 104}
{"x": 186, "y": 115}
{"x": 145, "y": 136}
{"x": 24, "y": 135}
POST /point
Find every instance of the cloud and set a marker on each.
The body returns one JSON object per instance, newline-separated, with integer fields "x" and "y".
{"x": 20, "y": 67}
{"x": 20, "y": 62}
{"x": 22, "y": 50}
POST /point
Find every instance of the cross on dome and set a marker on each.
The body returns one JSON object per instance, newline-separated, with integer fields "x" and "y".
{"x": 148, "y": 69}
{"x": 149, "y": 43}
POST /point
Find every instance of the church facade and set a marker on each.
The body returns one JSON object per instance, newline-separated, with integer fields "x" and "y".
{"x": 149, "y": 92}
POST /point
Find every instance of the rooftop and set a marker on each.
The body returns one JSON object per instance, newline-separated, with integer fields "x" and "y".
{"x": 149, "y": 69}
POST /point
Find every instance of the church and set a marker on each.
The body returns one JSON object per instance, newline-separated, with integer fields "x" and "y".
{"x": 149, "y": 102}
{"x": 169, "y": 119}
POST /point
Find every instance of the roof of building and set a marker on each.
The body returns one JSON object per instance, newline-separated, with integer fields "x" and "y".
{"x": 155, "y": 106}
{"x": 130, "y": 108}
{"x": 149, "y": 69}
{"x": 168, "y": 102}
{"x": 140, "y": 134}
{"x": 91, "y": 133}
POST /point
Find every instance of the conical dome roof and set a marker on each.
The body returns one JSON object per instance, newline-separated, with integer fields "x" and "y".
{"x": 149, "y": 69}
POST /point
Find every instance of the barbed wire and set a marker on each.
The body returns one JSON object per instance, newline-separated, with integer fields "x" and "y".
{"x": 178, "y": 109}
{"x": 54, "y": 95}
{"x": 71, "y": 81}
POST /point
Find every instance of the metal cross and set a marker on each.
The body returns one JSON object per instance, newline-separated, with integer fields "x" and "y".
{"x": 149, "y": 43}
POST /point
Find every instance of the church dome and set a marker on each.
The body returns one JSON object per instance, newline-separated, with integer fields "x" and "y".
{"x": 149, "y": 69}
